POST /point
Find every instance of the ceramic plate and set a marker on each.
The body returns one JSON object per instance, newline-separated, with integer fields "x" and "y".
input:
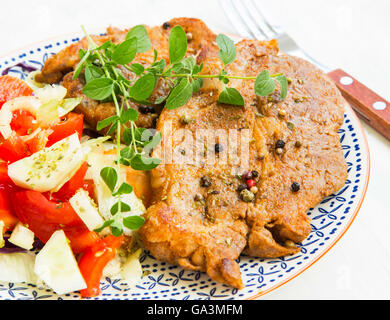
{"x": 330, "y": 220}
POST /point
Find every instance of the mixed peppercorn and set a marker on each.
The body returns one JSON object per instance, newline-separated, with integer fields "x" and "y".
{"x": 248, "y": 189}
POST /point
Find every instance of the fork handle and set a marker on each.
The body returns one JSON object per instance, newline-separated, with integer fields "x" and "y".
{"x": 370, "y": 106}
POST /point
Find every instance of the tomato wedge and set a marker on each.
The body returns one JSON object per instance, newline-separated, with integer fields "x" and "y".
{"x": 42, "y": 215}
{"x": 23, "y": 122}
{"x": 81, "y": 238}
{"x": 71, "y": 123}
{"x": 6, "y": 214}
{"x": 75, "y": 183}
{"x": 11, "y": 87}
{"x": 93, "y": 262}
{"x": 89, "y": 186}
{"x": 4, "y": 178}
{"x": 13, "y": 149}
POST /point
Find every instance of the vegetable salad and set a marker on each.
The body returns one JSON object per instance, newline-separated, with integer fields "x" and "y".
{"x": 53, "y": 197}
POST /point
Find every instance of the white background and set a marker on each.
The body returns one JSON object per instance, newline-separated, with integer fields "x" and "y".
{"x": 351, "y": 34}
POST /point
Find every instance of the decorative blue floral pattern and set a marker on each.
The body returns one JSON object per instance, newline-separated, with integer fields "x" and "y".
{"x": 329, "y": 221}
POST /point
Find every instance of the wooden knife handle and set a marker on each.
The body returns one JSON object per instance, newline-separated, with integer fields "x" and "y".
{"x": 369, "y": 106}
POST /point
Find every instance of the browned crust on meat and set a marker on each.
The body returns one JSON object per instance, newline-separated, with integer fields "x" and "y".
{"x": 276, "y": 220}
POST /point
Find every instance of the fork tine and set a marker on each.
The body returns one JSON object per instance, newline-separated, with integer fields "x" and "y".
{"x": 242, "y": 12}
{"x": 235, "y": 19}
{"x": 258, "y": 17}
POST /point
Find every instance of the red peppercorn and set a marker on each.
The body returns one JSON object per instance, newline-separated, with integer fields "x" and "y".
{"x": 250, "y": 183}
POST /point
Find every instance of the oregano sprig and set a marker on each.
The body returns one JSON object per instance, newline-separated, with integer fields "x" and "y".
{"x": 104, "y": 81}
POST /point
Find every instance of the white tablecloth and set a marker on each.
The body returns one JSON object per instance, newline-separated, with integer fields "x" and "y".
{"x": 352, "y": 34}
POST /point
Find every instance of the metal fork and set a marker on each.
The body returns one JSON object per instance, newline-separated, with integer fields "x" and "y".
{"x": 249, "y": 21}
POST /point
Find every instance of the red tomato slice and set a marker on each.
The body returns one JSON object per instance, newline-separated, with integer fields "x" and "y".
{"x": 4, "y": 178}
{"x": 23, "y": 122}
{"x": 93, "y": 262}
{"x": 42, "y": 215}
{"x": 89, "y": 186}
{"x": 13, "y": 149}
{"x": 37, "y": 141}
{"x": 72, "y": 122}
{"x": 6, "y": 214}
{"x": 74, "y": 184}
{"x": 81, "y": 238}
{"x": 11, "y": 87}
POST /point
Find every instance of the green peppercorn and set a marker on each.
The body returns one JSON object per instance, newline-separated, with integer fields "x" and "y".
{"x": 246, "y": 195}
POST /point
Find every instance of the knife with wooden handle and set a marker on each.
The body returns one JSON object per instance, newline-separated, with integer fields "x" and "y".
{"x": 371, "y": 107}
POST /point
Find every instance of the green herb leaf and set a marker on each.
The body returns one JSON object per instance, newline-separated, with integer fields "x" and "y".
{"x": 127, "y": 153}
{"x": 93, "y": 72}
{"x": 197, "y": 68}
{"x": 143, "y": 87}
{"x": 125, "y": 52}
{"x": 133, "y": 222}
{"x": 128, "y": 115}
{"x": 142, "y": 134}
{"x": 283, "y": 83}
{"x": 227, "y": 49}
{"x": 188, "y": 64}
{"x": 157, "y": 67}
{"x": 127, "y": 136}
{"x": 99, "y": 89}
{"x": 112, "y": 129}
{"x": 197, "y": 84}
{"x": 264, "y": 84}
{"x": 124, "y": 188}
{"x": 179, "y": 95}
{"x": 160, "y": 100}
{"x": 231, "y": 96}
{"x": 110, "y": 177}
{"x": 106, "y": 122}
{"x": 177, "y": 44}
{"x": 104, "y": 225}
{"x": 116, "y": 229}
{"x": 140, "y": 162}
{"x": 137, "y": 68}
{"x": 141, "y": 34}
{"x": 115, "y": 208}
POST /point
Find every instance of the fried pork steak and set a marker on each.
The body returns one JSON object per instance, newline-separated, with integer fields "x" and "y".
{"x": 200, "y": 217}
{"x": 59, "y": 67}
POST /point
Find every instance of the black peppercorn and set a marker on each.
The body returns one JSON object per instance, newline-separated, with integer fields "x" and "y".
{"x": 166, "y": 25}
{"x": 146, "y": 109}
{"x": 218, "y": 148}
{"x": 241, "y": 187}
{"x": 255, "y": 174}
{"x": 295, "y": 186}
{"x": 205, "y": 182}
{"x": 279, "y": 144}
{"x": 154, "y": 122}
